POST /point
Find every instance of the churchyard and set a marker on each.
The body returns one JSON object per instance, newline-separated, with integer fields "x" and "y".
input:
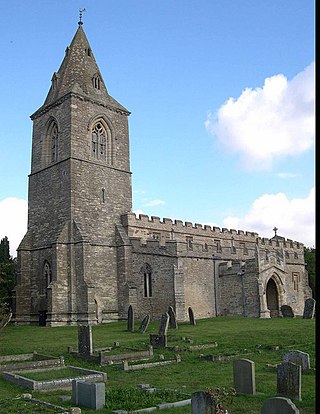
{"x": 256, "y": 357}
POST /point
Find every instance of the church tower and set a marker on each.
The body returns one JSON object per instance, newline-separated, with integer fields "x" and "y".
{"x": 79, "y": 186}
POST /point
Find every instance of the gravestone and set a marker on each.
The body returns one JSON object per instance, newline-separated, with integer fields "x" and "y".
{"x": 289, "y": 380}
{"x": 158, "y": 341}
{"x": 279, "y": 405}
{"x": 164, "y": 323}
{"x": 130, "y": 319}
{"x": 202, "y": 403}
{"x": 144, "y": 324}
{"x": 89, "y": 394}
{"x": 85, "y": 340}
{"x": 244, "y": 376}
{"x": 298, "y": 358}
{"x": 191, "y": 316}
{"x": 172, "y": 318}
{"x": 5, "y": 320}
{"x": 309, "y": 308}
{"x": 287, "y": 311}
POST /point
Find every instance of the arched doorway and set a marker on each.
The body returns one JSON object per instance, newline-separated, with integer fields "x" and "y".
{"x": 272, "y": 298}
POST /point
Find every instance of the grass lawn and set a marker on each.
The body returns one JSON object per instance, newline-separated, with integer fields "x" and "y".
{"x": 260, "y": 340}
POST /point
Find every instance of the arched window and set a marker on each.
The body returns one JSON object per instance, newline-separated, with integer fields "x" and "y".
{"x": 99, "y": 141}
{"x": 52, "y": 141}
{"x": 47, "y": 273}
{"x": 147, "y": 280}
{"x": 46, "y": 277}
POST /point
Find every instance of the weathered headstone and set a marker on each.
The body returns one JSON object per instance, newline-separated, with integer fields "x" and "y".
{"x": 244, "y": 376}
{"x": 85, "y": 340}
{"x": 144, "y": 324}
{"x": 172, "y": 318}
{"x": 309, "y": 308}
{"x": 164, "y": 323}
{"x": 287, "y": 311}
{"x": 298, "y": 358}
{"x": 202, "y": 403}
{"x": 89, "y": 394}
{"x": 279, "y": 405}
{"x": 5, "y": 320}
{"x": 191, "y": 316}
{"x": 158, "y": 341}
{"x": 130, "y": 319}
{"x": 289, "y": 380}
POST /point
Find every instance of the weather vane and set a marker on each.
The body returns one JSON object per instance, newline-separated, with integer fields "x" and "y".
{"x": 275, "y": 231}
{"x": 80, "y": 22}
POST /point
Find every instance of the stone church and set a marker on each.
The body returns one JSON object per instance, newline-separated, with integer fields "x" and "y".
{"x": 86, "y": 256}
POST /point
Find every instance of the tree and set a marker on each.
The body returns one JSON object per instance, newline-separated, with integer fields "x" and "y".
{"x": 310, "y": 260}
{"x": 8, "y": 267}
{"x": 4, "y": 250}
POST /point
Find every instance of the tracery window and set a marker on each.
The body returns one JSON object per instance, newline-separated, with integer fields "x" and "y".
{"x": 99, "y": 141}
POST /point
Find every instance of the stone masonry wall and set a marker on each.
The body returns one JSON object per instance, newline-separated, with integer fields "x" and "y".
{"x": 161, "y": 264}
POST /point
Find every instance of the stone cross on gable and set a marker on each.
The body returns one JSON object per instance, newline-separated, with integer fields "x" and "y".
{"x": 275, "y": 230}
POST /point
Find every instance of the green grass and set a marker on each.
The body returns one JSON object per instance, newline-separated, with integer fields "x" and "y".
{"x": 47, "y": 375}
{"x": 254, "y": 339}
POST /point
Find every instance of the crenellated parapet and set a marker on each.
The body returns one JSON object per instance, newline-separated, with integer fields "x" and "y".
{"x": 280, "y": 242}
{"x": 292, "y": 251}
{"x": 236, "y": 244}
{"x": 143, "y": 221}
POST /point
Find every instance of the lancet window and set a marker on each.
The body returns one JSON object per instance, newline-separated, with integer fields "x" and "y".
{"x": 53, "y": 141}
{"x": 46, "y": 277}
{"x": 147, "y": 280}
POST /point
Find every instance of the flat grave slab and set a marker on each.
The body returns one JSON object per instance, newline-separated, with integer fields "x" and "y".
{"x": 29, "y": 361}
{"x": 20, "y": 378}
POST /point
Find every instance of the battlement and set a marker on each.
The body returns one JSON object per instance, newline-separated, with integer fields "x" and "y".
{"x": 285, "y": 243}
{"x": 167, "y": 224}
{"x": 143, "y": 225}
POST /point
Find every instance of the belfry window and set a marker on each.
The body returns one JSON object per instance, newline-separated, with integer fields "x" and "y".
{"x": 99, "y": 142}
{"x": 147, "y": 280}
{"x": 52, "y": 142}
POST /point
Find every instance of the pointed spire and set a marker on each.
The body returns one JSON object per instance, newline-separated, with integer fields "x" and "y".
{"x": 79, "y": 73}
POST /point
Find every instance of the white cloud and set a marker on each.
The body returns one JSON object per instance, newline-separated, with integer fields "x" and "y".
{"x": 286, "y": 175}
{"x": 268, "y": 123}
{"x": 294, "y": 218}
{"x": 153, "y": 203}
{"x": 13, "y": 221}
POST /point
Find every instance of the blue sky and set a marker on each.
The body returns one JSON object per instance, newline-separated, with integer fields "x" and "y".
{"x": 221, "y": 95}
